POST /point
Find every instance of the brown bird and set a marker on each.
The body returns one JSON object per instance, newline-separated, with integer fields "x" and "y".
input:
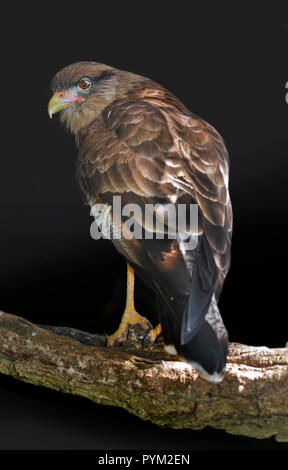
{"x": 137, "y": 140}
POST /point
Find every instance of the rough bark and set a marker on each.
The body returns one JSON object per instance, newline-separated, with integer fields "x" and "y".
{"x": 252, "y": 400}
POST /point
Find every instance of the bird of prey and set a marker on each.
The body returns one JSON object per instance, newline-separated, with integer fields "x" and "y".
{"x": 136, "y": 140}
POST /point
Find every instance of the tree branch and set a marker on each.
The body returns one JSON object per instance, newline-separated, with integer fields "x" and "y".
{"x": 252, "y": 400}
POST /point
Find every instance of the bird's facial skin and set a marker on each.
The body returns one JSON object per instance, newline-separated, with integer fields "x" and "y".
{"x": 61, "y": 100}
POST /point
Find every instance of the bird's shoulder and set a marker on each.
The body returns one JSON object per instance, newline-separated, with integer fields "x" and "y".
{"x": 153, "y": 123}
{"x": 159, "y": 139}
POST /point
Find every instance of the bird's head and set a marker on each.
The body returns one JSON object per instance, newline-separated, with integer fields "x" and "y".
{"x": 82, "y": 91}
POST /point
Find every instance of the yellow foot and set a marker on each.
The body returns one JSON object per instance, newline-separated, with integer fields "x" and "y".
{"x": 152, "y": 335}
{"x": 130, "y": 318}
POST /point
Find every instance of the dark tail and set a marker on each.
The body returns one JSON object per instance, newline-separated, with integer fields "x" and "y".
{"x": 188, "y": 312}
{"x": 206, "y": 353}
{"x": 207, "y": 350}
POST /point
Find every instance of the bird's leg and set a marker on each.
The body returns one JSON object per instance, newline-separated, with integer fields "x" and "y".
{"x": 130, "y": 316}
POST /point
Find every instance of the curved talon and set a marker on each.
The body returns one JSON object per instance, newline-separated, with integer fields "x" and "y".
{"x": 129, "y": 319}
{"x": 152, "y": 335}
{"x": 118, "y": 337}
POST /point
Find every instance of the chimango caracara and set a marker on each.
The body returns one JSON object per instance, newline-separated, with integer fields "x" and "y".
{"x": 138, "y": 141}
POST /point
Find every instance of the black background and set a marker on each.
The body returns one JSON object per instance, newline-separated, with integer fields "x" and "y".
{"x": 227, "y": 65}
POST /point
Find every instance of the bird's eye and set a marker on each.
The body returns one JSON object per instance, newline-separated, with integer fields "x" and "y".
{"x": 84, "y": 84}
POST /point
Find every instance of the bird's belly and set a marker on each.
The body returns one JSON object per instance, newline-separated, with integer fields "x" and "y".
{"x": 111, "y": 228}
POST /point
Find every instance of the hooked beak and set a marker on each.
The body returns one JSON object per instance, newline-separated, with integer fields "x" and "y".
{"x": 61, "y": 100}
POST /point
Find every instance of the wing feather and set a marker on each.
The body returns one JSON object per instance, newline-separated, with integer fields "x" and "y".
{"x": 155, "y": 150}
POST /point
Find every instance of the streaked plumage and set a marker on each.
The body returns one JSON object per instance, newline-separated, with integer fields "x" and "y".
{"x": 137, "y": 140}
